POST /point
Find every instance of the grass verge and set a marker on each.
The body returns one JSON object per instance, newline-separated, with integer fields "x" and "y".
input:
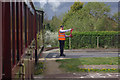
{"x": 71, "y": 65}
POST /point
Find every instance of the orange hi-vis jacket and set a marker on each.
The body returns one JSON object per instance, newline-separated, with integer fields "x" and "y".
{"x": 61, "y": 35}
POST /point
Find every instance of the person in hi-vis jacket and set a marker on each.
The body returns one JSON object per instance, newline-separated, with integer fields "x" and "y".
{"x": 62, "y": 38}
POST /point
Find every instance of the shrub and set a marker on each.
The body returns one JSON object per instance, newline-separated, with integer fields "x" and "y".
{"x": 51, "y": 38}
{"x": 106, "y": 39}
{"x": 39, "y": 68}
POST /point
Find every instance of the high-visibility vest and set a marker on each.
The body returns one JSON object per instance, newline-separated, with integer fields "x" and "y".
{"x": 61, "y": 35}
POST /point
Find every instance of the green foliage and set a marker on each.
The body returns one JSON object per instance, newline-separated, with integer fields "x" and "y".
{"x": 116, "y": 18}
{"x": 94, "y": 16}
{"x": 107, "y": 39}
{"x": 53, "y": 24}
{"x": 39, "y": 68}
{"x": 51, "y": 38}
{"x": 76, "y": 6}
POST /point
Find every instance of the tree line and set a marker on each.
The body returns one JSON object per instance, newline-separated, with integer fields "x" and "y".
{"x": 93, "y": 16}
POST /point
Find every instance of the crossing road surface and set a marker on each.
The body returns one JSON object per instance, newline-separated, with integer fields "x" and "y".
{"x": 84, "y": 54}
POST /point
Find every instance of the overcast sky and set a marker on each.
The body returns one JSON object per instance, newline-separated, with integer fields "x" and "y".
{"x": 58, "y": 8}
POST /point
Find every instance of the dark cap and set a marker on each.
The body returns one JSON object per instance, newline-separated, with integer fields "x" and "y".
{"x": 61, "y": 26}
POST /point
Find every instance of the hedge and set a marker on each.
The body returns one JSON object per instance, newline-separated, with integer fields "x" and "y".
{"x": 105, "y": 39}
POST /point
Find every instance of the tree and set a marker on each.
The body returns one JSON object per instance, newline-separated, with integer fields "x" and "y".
{"x": 116, "y": 18}
{"x": 47, "y": 23}
{"x": 76, "y": 6}
{"x": 55, "y": 23}
{"x": 52, "y": 24}
{"x": 73, "y": 9}
{"x": 94, "y": 16}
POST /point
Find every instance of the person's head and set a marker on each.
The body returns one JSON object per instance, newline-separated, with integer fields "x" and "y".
{"x": 62, "y": 27}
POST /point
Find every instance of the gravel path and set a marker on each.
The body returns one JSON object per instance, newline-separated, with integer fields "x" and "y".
{"x": 52, "y": 67}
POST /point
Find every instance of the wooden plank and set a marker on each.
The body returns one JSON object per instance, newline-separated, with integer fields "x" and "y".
{"x": 13, "y": 33}
{"x": 22, "y": 23}
{"x": 0, "y": 40}
{"x": 19, "y": 27}
{"x": 27, "y": 21}
{"x": 7, "y": 70}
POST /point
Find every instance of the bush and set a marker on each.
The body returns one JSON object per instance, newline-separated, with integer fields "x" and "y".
{"x": 51, "y": 38}
{"x": 39, "y": 68}
{"x": 106, "y": 39}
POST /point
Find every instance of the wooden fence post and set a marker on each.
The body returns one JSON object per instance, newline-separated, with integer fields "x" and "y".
{"x": 97, "y": 41}
{"x": 69, "y": 42}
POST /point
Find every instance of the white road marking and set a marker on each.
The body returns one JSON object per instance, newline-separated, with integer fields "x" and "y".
{"x": 54, "y": 55}
{"x": 52, "y": 58}
{"x": 92, "y": 76}
{"x": 108, "y": 74}
{"x": 102, "y": 76}
{"x": 116, "y": 75}
{"x": 81, "y": 77}
{"x": 98, "y": 73}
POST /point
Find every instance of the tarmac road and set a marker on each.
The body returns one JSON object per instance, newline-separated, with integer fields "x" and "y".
{"x": 83, "y": 54}
{"x": 92, "y": 54}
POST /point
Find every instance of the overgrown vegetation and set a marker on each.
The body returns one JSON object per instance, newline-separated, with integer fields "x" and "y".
{"x": 71, "y": 65}
{"x": 39, "y": 68}
{"x": 51, "y": 39}
{"x": 106, "y": 39}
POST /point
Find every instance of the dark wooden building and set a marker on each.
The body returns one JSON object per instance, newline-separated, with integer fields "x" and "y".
{"x": 18, "y": 28}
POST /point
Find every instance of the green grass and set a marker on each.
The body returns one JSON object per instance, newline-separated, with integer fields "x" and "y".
{"x": 71, "y": 65}
{"x": 97, "y": 70}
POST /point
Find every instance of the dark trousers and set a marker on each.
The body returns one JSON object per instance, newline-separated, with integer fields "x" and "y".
{"x": 61, "y": 44}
